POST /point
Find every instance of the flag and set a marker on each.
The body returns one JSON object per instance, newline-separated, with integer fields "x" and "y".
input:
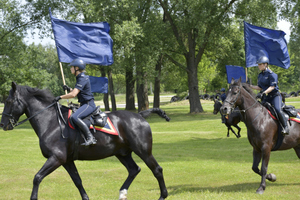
{"x": 98, "y": 84}
{"x": 261, "y": 41}
{"x": 235, "y": 72}
{"x": 90, "y": 42}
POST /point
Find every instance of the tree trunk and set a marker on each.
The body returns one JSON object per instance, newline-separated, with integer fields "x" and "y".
{"x": 142, "y": 90}
{"x": 192, "y": 69}
{"x": 130, "y": 102}
{"x": 156, "y": 100}
{"x": 105, "y": 98}
{"x": 111, "y": 90}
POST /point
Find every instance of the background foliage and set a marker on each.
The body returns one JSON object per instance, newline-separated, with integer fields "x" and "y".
{"x": 141, "y": 33}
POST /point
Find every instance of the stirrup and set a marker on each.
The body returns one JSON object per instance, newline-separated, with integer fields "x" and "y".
{"x": 285, "y": 131}
{"x": 89, "y": 141}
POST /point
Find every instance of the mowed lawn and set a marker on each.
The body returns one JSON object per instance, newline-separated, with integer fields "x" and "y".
{"x": 198, "y": 160}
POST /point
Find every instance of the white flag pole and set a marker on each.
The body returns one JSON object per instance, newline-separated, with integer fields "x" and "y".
{"x": 62, "y": 74}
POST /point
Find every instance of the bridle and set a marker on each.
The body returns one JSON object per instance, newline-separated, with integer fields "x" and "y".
{"x": 233, "y": 103}
{"x": 13, "y": 122}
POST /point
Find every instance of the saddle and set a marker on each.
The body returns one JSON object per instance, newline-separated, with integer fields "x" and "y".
{"x": 288, "y": 110}
{"x": 97, "y": 118}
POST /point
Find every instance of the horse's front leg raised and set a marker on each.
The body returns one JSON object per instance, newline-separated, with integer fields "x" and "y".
{"x": 72, "y": 170}
{"x": 50, "y": 165}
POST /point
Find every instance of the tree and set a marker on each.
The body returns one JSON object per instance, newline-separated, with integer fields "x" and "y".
{"x": 198, "y": 26}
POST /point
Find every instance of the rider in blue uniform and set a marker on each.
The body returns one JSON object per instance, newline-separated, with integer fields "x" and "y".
{"x": 85, "y": 98}
{"x": 223, "y": 97}
{"x": 268, "y": 83}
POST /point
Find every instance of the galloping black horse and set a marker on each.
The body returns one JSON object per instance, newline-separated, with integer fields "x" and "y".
{"x": 262, "y": 129}
{"x": 233, "y": 119}
{"x": 134, "y": 136}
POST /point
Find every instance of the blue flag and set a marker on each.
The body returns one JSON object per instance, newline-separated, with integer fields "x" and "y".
{"x": 261, "y": 41}
{"x": 89, "y": 41}
{"x": 99, "y": 84}
{"x": 235, "y": 72}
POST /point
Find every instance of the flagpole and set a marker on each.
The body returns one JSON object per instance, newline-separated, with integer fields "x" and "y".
{"x": 62, "y": 74}
{"x": 246, "y": 74}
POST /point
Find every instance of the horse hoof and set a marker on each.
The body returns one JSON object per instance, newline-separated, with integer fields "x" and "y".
{"x": 272, "y": 177}
{"x": 259, "y": 191}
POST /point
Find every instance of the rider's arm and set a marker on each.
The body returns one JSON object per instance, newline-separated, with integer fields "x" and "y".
{"x": 255, "y": 87}
{"x": 267, "y": 91}
{"x": 70, "y": 95}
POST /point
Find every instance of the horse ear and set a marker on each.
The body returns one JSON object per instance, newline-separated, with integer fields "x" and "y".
{"x": 14, "y": 86}
{"x": 232, "y": 81}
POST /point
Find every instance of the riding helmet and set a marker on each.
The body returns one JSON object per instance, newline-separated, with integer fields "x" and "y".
{"x": 263, "y": 59}
{"x": 78, "y": 63}
{"x": 223, "y": 90}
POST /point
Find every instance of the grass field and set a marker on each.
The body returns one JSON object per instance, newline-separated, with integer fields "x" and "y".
{"x": 199, "y": 162}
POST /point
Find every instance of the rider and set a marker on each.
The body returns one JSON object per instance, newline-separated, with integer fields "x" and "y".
{"x": 268, "y": 83}
{"x": 85, "y": 98}
{"x": 223, "y": 97}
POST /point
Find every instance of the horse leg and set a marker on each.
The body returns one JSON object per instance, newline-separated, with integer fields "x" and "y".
{"x": 50, "y": 165}
{"x": 239, "y": 130}
{"x": 264, "y": 168}
{"x": 256, "y": 161}
{"x": 72, "y": 170}
{"x": 133, "y": 170}
{"x": 297, "y": 150}
{"x": 158, "y": 173}
{"x": 229, "y": 127}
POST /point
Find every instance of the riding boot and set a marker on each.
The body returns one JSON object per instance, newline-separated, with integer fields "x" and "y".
{"x": 88, "y": 135}
{"x": 283, "y": 121}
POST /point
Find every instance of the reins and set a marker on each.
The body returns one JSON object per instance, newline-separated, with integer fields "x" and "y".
{"x": 12, "y": 119}
{"x": 237, "y": 99}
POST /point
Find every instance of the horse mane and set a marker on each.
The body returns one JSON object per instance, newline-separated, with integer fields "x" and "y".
{"x": 42, "y": 95}
{"x": 246, "y": 86}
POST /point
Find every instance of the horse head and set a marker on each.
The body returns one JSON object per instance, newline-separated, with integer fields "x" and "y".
{"x": 233, "y": 98}
{"x": 217, "y": 106}
{"x": 14, "y": 107}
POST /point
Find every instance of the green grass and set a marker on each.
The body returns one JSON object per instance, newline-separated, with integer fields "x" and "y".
{"x": 198, "y": 160}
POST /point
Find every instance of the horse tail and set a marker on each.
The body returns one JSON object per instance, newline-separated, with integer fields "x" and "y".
{"x": 158, "y": 111}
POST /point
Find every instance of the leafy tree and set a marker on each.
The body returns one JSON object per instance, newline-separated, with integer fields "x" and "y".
{"x": 199, "y": 26}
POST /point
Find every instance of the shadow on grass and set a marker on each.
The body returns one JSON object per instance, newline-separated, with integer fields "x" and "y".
{"x": 240, "y": 187}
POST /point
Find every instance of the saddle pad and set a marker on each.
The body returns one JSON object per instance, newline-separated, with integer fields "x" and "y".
{"x": 108, "y": 128}
{"x": 296, "y": 119}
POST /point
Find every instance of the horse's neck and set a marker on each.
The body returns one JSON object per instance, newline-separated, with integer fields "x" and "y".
{"x": 42, "y": 121}
{"x": 250, "y": 108}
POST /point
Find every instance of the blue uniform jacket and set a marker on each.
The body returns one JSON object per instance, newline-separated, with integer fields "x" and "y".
{"x": 266, "y": 79}
{"x": 83, "y": 84}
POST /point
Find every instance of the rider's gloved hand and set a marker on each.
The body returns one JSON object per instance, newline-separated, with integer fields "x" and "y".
{"x": 261, "y": 96}
{"x": 57, "y": 98}
{"x": 65, "y": 87}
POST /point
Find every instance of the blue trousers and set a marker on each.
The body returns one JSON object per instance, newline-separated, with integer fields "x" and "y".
{"x": 83, "y": 111}
{"x": 275, "y": 100}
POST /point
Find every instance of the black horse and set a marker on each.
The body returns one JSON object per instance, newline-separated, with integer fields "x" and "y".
{"x": 233, "y": 119}
{"x": 57, "y": 141}
{"x": 262, "y": 129}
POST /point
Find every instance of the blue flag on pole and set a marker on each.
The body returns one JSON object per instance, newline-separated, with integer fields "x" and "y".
{"x": 89, "y": 41}
{"x": 261, "y": 41}
{"x": 99, "y": 84}
{"x": 235, "y": 72}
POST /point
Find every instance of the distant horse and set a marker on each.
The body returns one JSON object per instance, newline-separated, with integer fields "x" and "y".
{"x": 232, "y": 120}
{"x": 58, "y": 141}
{"x": 262, "y": 129}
